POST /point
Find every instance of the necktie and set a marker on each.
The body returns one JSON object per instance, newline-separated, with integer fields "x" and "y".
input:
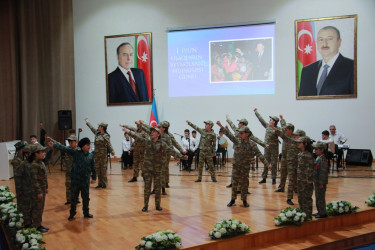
{"x": 132, "y": 84}
{"x": 322, "y": 79}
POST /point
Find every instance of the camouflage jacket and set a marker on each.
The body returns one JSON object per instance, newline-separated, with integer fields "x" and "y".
{"x": 252, "y": 137}
{"x": 207, "y": 142}
{"x": 321, "y": 170}
{"x": 271, "y": 137}
{"x": 101, "y": 140}
{"x": 305, "y": 167}
{"x": 154, "y": 151}
{"x": 38, "y": 173}
{"x": 244, "y": 151}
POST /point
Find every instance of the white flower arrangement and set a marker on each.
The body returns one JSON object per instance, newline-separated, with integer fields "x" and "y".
{"x": 340, "y": 207}
{"x": 6, "y": 196}
{"x": 13, "y": 222}
{"x": 160, "y": 240}
{"x": 371, "y": 200}
{"x": 29, "y": 239}
{"x": 290, "y": 216}
{"x": 228, "y": 228}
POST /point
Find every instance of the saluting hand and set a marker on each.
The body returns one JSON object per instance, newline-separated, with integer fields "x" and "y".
{"x": 86, "y": 119}
{"x": 255, "y": 110}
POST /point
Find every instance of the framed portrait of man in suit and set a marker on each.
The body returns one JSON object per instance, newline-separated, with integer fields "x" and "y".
{"x": 326, "y": 57}
{"x": 128, "y": 66}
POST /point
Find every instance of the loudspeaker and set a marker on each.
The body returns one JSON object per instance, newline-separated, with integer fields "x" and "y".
{"x": 361, "y": 157}
{"x": 65, "y": 119}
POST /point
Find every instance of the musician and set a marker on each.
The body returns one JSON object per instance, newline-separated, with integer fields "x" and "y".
{"x": 190, "y": 145}
{"x": 222, "y": 145}
{"x": 339, "y": 139}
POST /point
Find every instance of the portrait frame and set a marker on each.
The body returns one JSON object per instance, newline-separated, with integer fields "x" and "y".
{"x": 119, "y": 90}
{"x": 341, "y": 81}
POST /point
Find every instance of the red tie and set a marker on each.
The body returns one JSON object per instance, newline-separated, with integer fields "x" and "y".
{"x": 132, "y": 84}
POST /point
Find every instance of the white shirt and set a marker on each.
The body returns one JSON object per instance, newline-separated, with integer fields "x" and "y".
{"x": 127, "y": 145}
{"x": 125, "y": 72}
{"x": 331, "y": 144}
{"x": 338, "y": 138}
{"x": 189, "y": 143}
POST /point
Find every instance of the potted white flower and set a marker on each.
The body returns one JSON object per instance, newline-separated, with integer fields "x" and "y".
{"x": 290, "y": 216}
{"x": 160, "y": 240}
{"x": 228, "y": 228}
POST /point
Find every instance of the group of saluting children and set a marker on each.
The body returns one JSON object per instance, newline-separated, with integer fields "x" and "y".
{"x": 311, "y": 171}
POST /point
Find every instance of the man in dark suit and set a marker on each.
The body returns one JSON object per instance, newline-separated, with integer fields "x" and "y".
{"x": 334, "y": 75}
{"x": 262, "y": 62}
{"x": 126, "y": 84}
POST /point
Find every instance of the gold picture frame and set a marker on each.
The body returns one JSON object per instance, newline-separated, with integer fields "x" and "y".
{"x": 331, "y": 41}
{"x": 128, "y": 67}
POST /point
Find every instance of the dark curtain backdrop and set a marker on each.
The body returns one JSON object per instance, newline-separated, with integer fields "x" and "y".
{"x": 36, "y": 66}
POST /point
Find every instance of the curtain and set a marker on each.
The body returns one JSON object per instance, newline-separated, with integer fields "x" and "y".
{"x": 37, "y": 66}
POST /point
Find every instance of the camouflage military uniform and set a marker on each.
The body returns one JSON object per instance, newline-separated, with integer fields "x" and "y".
{"x": 102, "y": 141}
{"x": 22, "y": 182}
{"x": 67, "y": 163}
{"x": 252, "y": 137}
{"x": 291, "y": 157}
{"x": 152, "y": 167}
{"x": 321, "y": 178}
{"x": 271, "y": 153}
{"x": 305, "y": 180}
{"x": 83, "y": 165}
{"x": 243, "y": 153}
{"x": 139, "y": 151}
{"x": 207, "y": 147}
{"x": 39, "y": 183}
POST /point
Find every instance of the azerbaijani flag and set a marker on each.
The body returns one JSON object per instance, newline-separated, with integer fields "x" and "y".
{"x": 154, "y": 114}
{"x": 306, "y": 46}
{"x": 142, "y": 59}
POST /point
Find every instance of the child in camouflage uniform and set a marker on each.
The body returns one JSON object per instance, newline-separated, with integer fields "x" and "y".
{"x": 305, "y": 176}
{"x": 320, "y": 178}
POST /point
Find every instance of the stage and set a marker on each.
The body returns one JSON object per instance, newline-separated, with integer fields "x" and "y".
{"x": 191, "y": 209}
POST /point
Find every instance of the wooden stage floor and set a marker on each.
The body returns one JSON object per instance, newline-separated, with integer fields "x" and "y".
{"x": 190, "y": 209}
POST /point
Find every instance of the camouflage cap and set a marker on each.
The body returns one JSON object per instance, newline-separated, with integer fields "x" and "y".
{"x": 164, "y": 124}
{"x": 305, "y": 139}
{"x": 19, "y": 145}
{"x": 72, "y": 138}
{"x": 209, "y": 122}
{"x": 289, "y": 126}
{"x": 244, "y": 129}
{"x": 28, "y": 148}
{"x": 244, "y": 121}
{"x": 37, "y": 147}
{"x": 319, "y": 144}
{"x": 103, "y": 124}
{"x": 156, "y": 129}
{"x": 275, "y": 118}
{"x": 300, "y": 132}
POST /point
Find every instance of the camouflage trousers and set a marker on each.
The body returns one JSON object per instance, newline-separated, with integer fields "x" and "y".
{"x": 292, "y": 177}
{"x": 206, "y": 157}
{"x": 83, "y": 187}
{"x": 150, "y": 176}
{"x": 271, "y": 154}
{"x": 24, "y": 207}
{"x": 138, "y": 157}
{"x": 283, "y": 173}
{"x": 240, "y": 181}
{"x": 68, "y": 184}
{"x": 164, "y": 172}
{"x": 37, "y": 208}
{"x": 305, "y": 192}
{"x": 101, "y": 168}
{"x": 320, "y": 198}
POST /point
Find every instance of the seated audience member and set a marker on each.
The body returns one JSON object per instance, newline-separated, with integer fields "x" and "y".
{"x": 338, "y": 138}
{"x": 33, "y": 139}
{"x": 221, "y": 146}
{"x": 188, "y": 144}
{"x": 330, "y": 144}
{"x": 196, "y": 141}
{"x": 127, "y": 151}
